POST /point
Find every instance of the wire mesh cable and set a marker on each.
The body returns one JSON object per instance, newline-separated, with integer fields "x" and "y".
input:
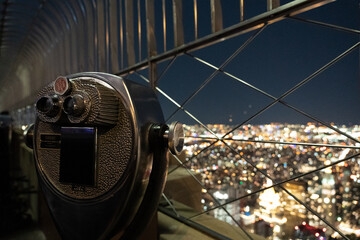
{"x": 215, "y": 200}
{"x": 282, "y": 182}
{"x": 259, "y": 170}
{"x": 281, "y": 142}
{"x": 168, "y": 66}
{"x": 170, "y": 204}
{"x": 181, "y": 163}
{"x": 275, "y": 100}
{"x": 332, "y": 26}
{"x": 223, "y": 65}
{"x": 289, "y": 193}
{"x": 178, "y": 105}
{"x": 297, "y": 86}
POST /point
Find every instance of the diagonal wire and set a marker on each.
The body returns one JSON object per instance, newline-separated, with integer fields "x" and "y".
{"x": 181, "y": 163}
{"x": 300, "y": 84}
{"x": 279, "y": 183}
{"x": 283, "y": 143}
{"x": 255, "y": 141}
{"x": 215, "y": 200}
{"x": 284, "y": 189}
{"x": 294, "y": 197}
{"x": 170, "y": 204}
{"x": 274, "y": 98}
{"x": 282, "y": 96}
{"x": 227, "y": 61}
{"x": 180, "y": 107}
{"x": 279, "y": 99}
{"x": 230, "y": 75}
{"x": 166, "y": 69}
{"x": 320, "y": 121}
{"x": 332, "y": 26}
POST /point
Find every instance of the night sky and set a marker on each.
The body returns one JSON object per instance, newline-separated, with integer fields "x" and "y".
{"x": 284, "y": 54}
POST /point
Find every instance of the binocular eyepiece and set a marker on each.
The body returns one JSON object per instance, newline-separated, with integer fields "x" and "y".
{"x": 48, "y": 105}
{"x": 51, "y": 106}
{"x": 74, "y": 105}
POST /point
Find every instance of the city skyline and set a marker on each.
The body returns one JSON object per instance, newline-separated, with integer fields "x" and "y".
{"x": 233, "y": 176}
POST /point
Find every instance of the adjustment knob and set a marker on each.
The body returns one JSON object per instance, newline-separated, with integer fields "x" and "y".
{"x": 74, "y": 105}
{"x": 168, "y": 136}
{"x": 48, "y": 105}
{"x": 175, "y": 136}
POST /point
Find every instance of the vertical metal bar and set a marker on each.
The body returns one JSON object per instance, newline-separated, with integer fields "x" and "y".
{"x": 39, "y": 59}
{"x": 139, "y": 27}
{"x": 129, "y": 21}
{"x": 86, "y": 55}
{"x": 151, "y": 40}
{"x": 63, "y": 21}
{"x": 150, "y": 27}
{"x": 40, "y": 39}
{"x": 96, "y": 35}
{"x": 241, "y": 10}
{"x": 52, "y": 63}
{"x": 216, "y": 16}
{"x": 59, "y": 53}
{"x": 49, "y": 27}
{"x": 67, "y": 53}
{"x": 52, "y": 22}
{"x": 81, "y": 33}
{"x": 55, "y": 63}
{"x": 114, "y": 46}
{"x": 153, "y": 74}
{"x": 45, "y": 75}
{"x": 107, "y": 36}
{"x": 90, "y": 40}
{"x": 272, "y": 4}
{"x": 196, "y": 19}
{"x": 101, "y": 35}
{"x": 178, "y": 23}
{"x": 121, "y": 35}
{"x": 73, "y": 35}
{"x": 164, "y": 23}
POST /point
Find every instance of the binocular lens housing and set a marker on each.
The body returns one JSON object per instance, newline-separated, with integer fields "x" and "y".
{"x": 74, "y": 105}
{"x": 49, "y": 105}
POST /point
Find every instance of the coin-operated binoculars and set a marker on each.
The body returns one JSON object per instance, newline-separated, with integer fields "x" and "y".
{"x": 101, "y": 153}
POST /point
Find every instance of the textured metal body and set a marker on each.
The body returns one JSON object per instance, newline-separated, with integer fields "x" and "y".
{"x": 124, "y": 159}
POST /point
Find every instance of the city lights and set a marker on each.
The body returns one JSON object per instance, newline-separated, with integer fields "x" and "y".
{"x": 229, "y": 173}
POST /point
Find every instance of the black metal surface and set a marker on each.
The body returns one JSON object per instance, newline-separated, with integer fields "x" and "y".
{"x": 156, "y": 184}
